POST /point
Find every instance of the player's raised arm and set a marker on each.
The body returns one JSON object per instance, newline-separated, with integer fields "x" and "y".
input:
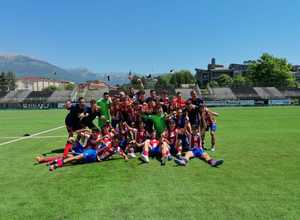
{"x": 211, "y": 112}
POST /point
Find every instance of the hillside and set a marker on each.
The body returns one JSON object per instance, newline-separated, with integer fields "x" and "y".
{"x": 28, "y": 66}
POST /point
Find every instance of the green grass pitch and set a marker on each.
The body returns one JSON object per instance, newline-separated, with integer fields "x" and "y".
{"x": 260, "y": 178}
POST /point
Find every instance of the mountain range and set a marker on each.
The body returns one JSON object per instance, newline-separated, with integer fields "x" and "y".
{"x": 27, "y": 66}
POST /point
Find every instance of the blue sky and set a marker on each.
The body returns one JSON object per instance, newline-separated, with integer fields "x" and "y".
{"x": 149, "y": 36}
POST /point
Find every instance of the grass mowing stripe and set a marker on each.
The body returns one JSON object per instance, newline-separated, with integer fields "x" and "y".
{"x": 28, "y": 137}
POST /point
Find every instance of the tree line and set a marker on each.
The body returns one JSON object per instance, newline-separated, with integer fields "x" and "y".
{"x": 267, "y": 71}
{"x": 7, "y": 81}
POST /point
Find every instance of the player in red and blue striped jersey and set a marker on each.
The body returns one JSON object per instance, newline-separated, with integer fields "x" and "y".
{"x": 154, "y": 147}
{"x": 197, "y": 151}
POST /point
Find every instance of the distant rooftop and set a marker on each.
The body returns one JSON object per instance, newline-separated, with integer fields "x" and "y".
{"x": 36, "y": 78}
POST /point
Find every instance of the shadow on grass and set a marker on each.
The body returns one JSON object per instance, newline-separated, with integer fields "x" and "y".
{"x": 55, "y": 151}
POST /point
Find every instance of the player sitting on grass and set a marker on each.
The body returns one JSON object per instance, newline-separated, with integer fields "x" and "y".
{"x": 154, "y": 147}
{"x": 170, "y": 136}
{"x": 183, "y": 141}
{"x": 139, "y": 137}
{"x": 198, "y": 152}
{"x": 126, "y": 135}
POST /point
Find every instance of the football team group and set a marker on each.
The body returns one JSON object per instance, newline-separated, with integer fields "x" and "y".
{"x": 128, "y": 123}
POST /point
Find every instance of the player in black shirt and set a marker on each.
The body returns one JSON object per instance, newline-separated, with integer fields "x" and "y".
{"x": 90, "y": 114}
{"x": 193, "y": 107}
{"x": 75, "y": 115}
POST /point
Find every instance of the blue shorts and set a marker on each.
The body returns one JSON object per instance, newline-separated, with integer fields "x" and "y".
{"x": 78, "y": 148}
{"x": 123, "y": 144}
{"x": 212, "y": 127}
{"x": 89, "y": 155}
{"x": 155, "y": 150}
{"x": 197, "y": 151}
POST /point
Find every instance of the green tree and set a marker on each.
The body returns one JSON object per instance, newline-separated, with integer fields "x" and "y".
{"x": 50, "y": 89}
{"x": 11, "y": 80}
{"x": 7, "y": 81}
{"x": 136, "y": 82}
{"x": 240, "y": 81}
{"x": 163, "y": 84}
{"x": 70, "y": 86}
{"x": 182, "y": 77}
{"x": 213, "y": 84}
{"x": 224, "y": 80}
{"x": 3, "y": 82}
{"x": 271, "y": 71}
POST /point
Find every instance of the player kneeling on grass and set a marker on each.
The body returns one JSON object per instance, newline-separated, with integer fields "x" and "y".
{"x": 198, "y": 152}
{"x": 154, "y": 147}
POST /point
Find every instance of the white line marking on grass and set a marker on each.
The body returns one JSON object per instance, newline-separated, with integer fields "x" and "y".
{"x": 31, "y": 136}
{"x": 41, "y": 137}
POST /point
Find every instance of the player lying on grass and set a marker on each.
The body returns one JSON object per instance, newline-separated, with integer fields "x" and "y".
{"x": 70, "y": 147}
{"x": 92, "y": 153}
{"x": 197, "y": 152}
{"x": 94, "y": 139}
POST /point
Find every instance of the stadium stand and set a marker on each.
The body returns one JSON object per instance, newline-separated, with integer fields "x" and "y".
{"x": 198, "y": 90}
{"x": 94, "y": 94}
{"x": 245, "y": 93}
{"x": 184, "y": 92}
{"x": 9, "y": 97}
{"x": 82, "y": 92}
{"x": 291, "y": 93}
{"x": 268, "y": 93}
{"x": 275, "y": 93}
{"x": 2, "y": 94}
{"x": 60, "y": 96}
{"x": 221, "y": 94}
{"x": 39, "y": 95}
{"x": 17, "y": 96}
